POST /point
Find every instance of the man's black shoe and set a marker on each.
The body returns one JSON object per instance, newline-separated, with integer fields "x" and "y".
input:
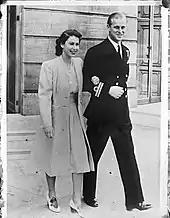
{"x": 139, "y": 206}
{"x": 91, "y": 203}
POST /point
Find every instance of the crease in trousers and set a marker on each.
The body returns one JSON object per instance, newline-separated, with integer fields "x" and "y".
{"x": 98, "y": 135}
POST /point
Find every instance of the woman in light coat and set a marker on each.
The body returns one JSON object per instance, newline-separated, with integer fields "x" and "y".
{"x": 63, "y": 144}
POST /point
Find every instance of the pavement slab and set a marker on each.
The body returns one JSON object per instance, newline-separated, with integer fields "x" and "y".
{"x": 27, "y": 189}
{"x": 41, "y": 211}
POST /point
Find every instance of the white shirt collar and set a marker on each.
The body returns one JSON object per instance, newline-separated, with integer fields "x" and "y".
{"x": 115, "y": 44}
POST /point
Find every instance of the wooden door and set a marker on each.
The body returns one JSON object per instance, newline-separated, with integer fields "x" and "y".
{"x": 149, "y": 54}
{"x": 13, "y": 59}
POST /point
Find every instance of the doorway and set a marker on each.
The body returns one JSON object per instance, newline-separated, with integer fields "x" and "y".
{"x": 13, "y": 59}
{"x": 149, "y": 54}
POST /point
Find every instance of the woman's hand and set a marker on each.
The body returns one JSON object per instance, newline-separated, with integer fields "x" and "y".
{"x": 49, "y": 132}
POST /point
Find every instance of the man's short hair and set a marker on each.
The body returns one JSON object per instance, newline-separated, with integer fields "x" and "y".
{"x": 115, "y": 15}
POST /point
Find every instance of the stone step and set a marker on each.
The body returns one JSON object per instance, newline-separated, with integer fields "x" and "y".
{"x": 27, "y": 135}
{"x": 146, "y": 115}
{"x": 24, "y": 155}
{"x": 17, "y": 122}
{"x": 19, "y": 151}
{"x": 20, "y": 144}
{"x": 143, "y": 119}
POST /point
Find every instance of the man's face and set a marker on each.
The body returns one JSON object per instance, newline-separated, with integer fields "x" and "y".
{"x": 117, "y": 28}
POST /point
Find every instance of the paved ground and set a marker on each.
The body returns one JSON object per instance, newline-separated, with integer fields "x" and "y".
{"x": 27, "y": 189}
{"x": 26, "y": 194}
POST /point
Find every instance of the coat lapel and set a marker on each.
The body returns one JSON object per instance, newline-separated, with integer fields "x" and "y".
{"x": 109, "y": 51}
{"x": 78, "y": 72}
{"x": 108, "y": 47}
{"x": 63, "y": 77}
{"x": 125, "y": 53}
{"x": 84, "y": 97}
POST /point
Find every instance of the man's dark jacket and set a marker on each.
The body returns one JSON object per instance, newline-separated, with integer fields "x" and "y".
{"x": 104, "y": 62}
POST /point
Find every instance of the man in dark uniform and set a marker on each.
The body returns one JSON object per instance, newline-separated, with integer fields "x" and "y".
{"x": 105, "y": 74}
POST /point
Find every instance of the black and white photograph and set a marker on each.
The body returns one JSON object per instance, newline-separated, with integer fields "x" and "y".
{"x": 83, "y": 110}
{"x": 168, "y": 190}
{"x": 2, "y": 183}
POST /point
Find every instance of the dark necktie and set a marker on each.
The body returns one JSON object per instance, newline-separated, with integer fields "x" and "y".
{"x": 119, "y": 51}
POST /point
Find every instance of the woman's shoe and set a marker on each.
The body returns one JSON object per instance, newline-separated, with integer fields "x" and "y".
{"x": 53, "y": 204}
{"x": 74, "y": 208}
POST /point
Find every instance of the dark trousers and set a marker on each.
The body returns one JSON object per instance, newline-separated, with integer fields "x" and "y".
{"x": 98, "y": 134}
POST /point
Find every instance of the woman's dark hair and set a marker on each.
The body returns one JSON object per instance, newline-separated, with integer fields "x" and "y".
{"x": 63, "y": 38}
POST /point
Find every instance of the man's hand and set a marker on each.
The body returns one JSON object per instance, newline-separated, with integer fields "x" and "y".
{"x": 49, "y": 132}
{"x": 116, "y": 91}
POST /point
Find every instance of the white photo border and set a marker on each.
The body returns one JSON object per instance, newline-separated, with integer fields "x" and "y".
{"x": 164, "y": 89}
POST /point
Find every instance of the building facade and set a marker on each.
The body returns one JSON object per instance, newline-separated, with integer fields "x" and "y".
{"x": 32, "y": 31}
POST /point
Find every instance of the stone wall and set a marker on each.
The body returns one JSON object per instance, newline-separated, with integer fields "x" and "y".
{"x": 39, "y": 35}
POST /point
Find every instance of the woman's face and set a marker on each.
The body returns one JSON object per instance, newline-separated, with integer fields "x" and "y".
{"x": 71, "y": 46}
